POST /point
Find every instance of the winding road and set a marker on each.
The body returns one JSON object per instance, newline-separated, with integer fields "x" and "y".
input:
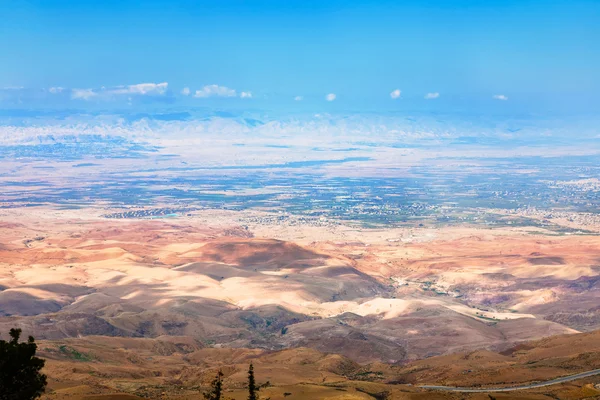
{"x": 512, "y": 388}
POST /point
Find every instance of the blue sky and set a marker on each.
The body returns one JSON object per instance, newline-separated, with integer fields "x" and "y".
{"x": 467, "y": 52}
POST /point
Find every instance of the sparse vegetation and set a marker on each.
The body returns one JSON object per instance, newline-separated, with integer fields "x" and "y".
{"x": 252, "y": 388}
{"x": 216, "y": 388}
{"x": 74, "y": 354}
{"x": 367, "y": 375}
{"x": 20, "y": 377}
{"x": 385, "y": 395}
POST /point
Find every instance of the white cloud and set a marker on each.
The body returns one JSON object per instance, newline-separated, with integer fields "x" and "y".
{"x": 56, "y": 89}
{"x": 330, "y": 97}
{"x": 500, "y": 97}
{"x": 141, "y": 89}
{"x": 83, "y": 94}
{"x": 432, "y": 95}
{"x": 186, "y": 91}
{"x": 246, "y": 95}
{"x": 395, "y": 94}
{"x": 215, "y": 90}
{"x": 298, "y": 98}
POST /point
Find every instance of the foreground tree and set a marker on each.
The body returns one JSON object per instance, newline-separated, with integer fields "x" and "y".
{"x": 20, "y": 377}
{"x": 252, "y": 389}
{"x": 216, "y": 388}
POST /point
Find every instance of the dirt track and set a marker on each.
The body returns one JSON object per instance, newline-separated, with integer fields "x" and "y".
{"x": 514, "y": 388}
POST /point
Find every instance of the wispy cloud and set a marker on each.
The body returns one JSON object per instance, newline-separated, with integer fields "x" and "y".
{"x": 141, "y": 89}
{"x": 330, "y": 97}
{"x": 430, "y": 96}
{"x": 112, "y": 93}
{"x": 56, "y": 90}
{"x": 310, "y": 129}
{"x": 186, "y": 91}
{"x": 215, "y": 91}
{"x": 500, "y": 97}
{"x": 298, "y": 98}
{"x": 83, "y": 94}
{"x": 246, "y": 95}
{"x": 396, "y": 94}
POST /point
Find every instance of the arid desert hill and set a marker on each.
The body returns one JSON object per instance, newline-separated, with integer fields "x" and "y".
{"x": 430, "y": 292}
{"x": 175, "y": 367}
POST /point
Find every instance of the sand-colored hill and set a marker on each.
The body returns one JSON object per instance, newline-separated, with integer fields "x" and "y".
{"x": 426, "y": 294}
{"x": 180, "y": 367}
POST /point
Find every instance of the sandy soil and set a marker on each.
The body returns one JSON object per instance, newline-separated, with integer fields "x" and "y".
{"x": 180, "y": 368}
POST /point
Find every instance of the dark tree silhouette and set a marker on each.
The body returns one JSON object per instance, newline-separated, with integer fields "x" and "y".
{"x": 216, "y": 388}
{"x": 20, "y": 377}
{"x": 252, "y": 389}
